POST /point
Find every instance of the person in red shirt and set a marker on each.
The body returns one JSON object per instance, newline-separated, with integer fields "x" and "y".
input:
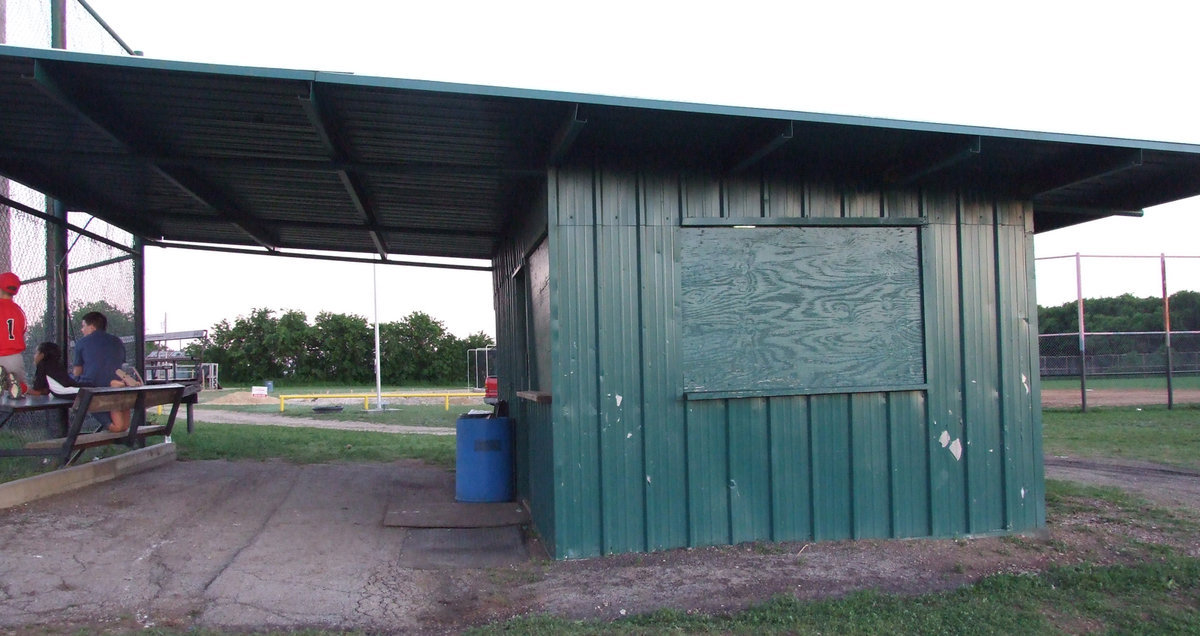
{"x": 12, "y": 337}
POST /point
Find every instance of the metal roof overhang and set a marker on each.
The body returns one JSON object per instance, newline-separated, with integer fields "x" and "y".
{"x": 302, "y": 160}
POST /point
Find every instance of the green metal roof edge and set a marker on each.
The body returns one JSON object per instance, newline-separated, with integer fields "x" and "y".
{"x": 367, "y": 81}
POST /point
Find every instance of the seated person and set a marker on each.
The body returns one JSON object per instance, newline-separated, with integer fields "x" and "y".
{"x": 49, "y": 364}
{"x": 51, "y": 377}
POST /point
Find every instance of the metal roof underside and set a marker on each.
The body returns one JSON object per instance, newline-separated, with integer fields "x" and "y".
{"x": 299, "y": 160}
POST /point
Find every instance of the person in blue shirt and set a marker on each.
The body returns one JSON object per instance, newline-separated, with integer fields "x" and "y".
{"x": 98, "y": 357}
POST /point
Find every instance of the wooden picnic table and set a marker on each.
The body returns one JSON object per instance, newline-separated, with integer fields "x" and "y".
{"x": 74, "y": 441}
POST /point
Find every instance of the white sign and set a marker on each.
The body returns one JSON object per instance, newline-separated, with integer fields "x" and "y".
{"x": 258, "y": 391}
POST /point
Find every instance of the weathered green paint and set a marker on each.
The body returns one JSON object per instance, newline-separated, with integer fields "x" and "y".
{"x": 943, "y": 352}
{"x": 981, "y": 440}
{"x": 871, "y": 461}
{"x": 655, "y": 469}
{"x": 831, "y": 493}
{"x": 533, "y": 441}
{"x": 749, "y": 470}
{"x": 708, "y": 473}
{"x": 791, "y": 478}
{"x": 908, "y": 444}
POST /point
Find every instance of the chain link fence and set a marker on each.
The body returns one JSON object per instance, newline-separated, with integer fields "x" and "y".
{"x": 97, "y": 271}
{"x": 1102, "y": 364}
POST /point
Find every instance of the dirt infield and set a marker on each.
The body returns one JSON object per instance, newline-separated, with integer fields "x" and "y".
{"x": 1066, "y": 398}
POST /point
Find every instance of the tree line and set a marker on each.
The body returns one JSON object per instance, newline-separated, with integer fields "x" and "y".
{"x": 1122, "y": 313}
{"x": 336, "y": 348}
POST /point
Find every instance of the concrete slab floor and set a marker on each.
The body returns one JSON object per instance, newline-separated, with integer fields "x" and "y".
{"x": 240, "y": 545}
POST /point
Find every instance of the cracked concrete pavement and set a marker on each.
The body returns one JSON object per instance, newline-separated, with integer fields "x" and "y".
{"x": 232, "y": 545}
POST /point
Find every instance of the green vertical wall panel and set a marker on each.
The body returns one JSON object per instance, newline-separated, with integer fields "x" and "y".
{"x": 533, "y": 445}
{"x": 940, "y": 263}
{"x": 707, "y": 473}
{"x": 574, "y": 197}
{"x": 901, "y": 204}
{"x": 908, "y": 442}
{"x": 576, "y": 408}
{"x": 785, "y": 198}
{"x": 663, "y": 412}
{"x": 622, "y": 469}
{"x": 831, "y": 492}
{"x": 791, "y": 466}
{"x": 1036, "y": 475}
{"x": 823, "y": 200}
{"x": 659, "y": 470}
{"x": 1023, "y": 483}
{"x": 749, "y": 470}
{"x": 871, "y": 476}
{"x": 701, "y": 195}
{"x": 743, "y": 197}
{"x": 535, "y": 420}
{"x": 863, "y": 203}
{"x": 981, "y": 427}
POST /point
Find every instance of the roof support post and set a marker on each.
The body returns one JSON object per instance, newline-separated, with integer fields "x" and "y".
{"x": 137, "y": 145}
{"x": 336, "y": 147}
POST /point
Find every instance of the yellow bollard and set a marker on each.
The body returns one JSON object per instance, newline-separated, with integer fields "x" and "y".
{"x": 366, "y": 403}
{"x": 281, "y": 404}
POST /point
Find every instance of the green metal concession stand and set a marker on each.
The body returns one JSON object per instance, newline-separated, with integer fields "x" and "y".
{"x": 715, "y": 324}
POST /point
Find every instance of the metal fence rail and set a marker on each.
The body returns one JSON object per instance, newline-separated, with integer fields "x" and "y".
{"x": 1111, "y": 354}
{"x": 366, "y": 397}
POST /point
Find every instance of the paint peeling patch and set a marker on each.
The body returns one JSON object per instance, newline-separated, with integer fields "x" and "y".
{"x": 628, "y": 435}
{"x": 648, "y": 480}
{"x": 1025, "y": 382}
{"x": 956, "y": 449}
{"x": 619, "y": 399}
{"x": 944, "y": 440}
{"x": 1022, "y": 493}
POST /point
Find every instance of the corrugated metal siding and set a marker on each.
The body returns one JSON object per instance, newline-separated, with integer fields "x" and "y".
{"x": 664, "y": 447}
{"x": 653, "y": 470}
{"x": 943, "y": 353}
{"x": 533, "y": 442}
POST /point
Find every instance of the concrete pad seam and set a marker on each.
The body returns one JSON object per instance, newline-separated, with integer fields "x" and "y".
{"x": 257, "y": 532}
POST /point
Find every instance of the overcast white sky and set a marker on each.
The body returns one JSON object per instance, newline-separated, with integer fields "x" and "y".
{"x": 1108, "y": 69}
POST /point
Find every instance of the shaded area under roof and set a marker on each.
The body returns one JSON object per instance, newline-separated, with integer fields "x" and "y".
{"x": 301, "y": 160}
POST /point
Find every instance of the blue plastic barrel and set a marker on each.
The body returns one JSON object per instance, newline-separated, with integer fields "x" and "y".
{"x": 483, "y": 472}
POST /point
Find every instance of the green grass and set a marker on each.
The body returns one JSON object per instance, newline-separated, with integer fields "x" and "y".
{"x": 1148, "y": 433}
{"x": 406, "y": 415}
{"x": 1191, "y": 381}
{"x": 1159, "y": 597}
{"x": 310, "y": 445}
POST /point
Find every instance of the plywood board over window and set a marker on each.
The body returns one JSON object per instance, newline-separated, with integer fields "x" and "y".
{"x": 803, "y": 310}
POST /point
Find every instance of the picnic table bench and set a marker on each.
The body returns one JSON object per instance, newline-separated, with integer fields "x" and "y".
{"x": 70, "y": 446}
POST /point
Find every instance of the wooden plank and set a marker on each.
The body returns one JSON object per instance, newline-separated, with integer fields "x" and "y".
{"x": 89, "y": 440}
{"x": 541, "y": 397}
{"x": 813, "y": 308}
